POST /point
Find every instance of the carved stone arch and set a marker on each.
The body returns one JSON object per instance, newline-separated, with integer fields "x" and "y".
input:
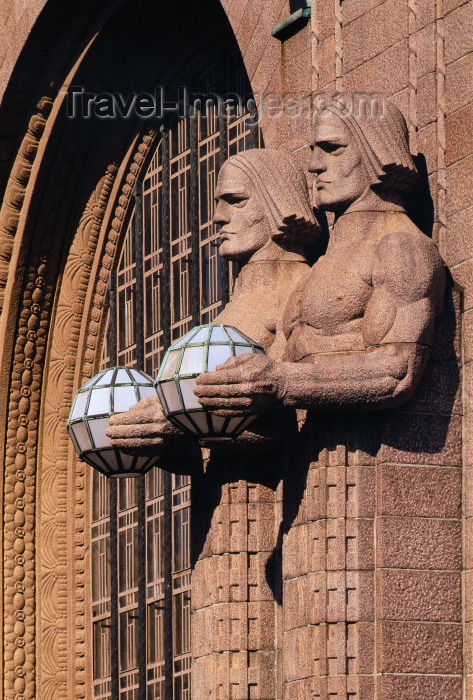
{"x": 64, "y": 211}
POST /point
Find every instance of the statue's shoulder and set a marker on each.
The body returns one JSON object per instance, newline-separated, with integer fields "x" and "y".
{"x": 404, "y": 243}
{"x": 409, "y": 264}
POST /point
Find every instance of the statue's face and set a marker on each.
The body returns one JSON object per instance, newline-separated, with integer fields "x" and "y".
{"x": 341, "y": 176}
{"x": 244, "y": 224}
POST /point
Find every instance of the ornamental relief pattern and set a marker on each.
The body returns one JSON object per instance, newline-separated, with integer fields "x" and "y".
{"x": 73, "y": 357}
{"x": 41, "y": 486}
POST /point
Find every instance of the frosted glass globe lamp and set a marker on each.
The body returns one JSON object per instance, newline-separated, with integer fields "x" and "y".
{"x": 111, "y": 391}
{"x": 199, "y": 351}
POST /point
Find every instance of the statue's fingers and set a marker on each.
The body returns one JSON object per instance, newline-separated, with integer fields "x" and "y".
{"x": 242, "y": 389}
{"x": 233, "y": 362}
{"x": 224, "y": 377}
{"x": 132, "y": 445}
{"x": 219, "y": 403}
{"x": 134, "y": 431}
{"x": 134, "y": 417}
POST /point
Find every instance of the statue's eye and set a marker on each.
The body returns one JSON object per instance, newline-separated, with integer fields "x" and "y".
{"x": 330, "y": 147}
{"x": 235, "y": 199}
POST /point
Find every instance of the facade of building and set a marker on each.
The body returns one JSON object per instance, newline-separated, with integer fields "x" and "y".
{"x": 282, "y": 567}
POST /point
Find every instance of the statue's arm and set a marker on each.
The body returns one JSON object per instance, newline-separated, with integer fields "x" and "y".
{"x": 408, "y": 288}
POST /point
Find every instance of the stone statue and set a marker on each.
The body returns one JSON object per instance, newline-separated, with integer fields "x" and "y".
{"x": 352, "y": 332}
{"x": 269, "y": 229}
{"x": 359, "y": 327}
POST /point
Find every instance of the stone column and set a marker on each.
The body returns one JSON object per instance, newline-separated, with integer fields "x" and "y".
{"x": 234, "y": 580}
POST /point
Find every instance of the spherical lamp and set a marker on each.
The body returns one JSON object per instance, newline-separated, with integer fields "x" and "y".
{"x": 199, "y": 351}
{"x": 112, "y": 390}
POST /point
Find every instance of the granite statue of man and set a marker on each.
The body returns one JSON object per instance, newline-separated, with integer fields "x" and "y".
{"x": 359, "y": 327}
{"x": 268, "y": 228}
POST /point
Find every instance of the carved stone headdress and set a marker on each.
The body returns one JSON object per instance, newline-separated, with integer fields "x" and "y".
{"x": 382, "y": 138}
{"x": 281, "y": 185}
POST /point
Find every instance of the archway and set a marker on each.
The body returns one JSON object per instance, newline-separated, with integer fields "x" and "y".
{"x": 65, "y": 211}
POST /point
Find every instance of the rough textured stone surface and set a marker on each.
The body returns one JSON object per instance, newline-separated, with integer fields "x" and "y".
{"x": 415, "y": 687}
{"x": 419, "y": 543}
{"x": 415, "y": 647}
{"x": 419, "y": 595}
{"x": 434, "y": 492}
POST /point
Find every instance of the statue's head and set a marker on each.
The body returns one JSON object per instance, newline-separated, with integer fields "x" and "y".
{"x": 262, "y": 198}
{"x": 357, "y": 152}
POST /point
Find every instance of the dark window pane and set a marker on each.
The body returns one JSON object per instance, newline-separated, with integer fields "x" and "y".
{"x": 181, "y": 623}
{"x": 101, "y": 648}
{"x": 128, "y": 640}
{"x": 155, "y": 639}
{"x": 181, "y": 540}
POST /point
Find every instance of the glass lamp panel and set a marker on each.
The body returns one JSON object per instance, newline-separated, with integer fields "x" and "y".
{"x": 185, "y": 422}
{"x": 242, "y": 349}
{"x": 218, "y": 354}
{"x": 127, "y": 460}
{"x": 161, "y": 396}
{"x": 99, "y": 402}
{"x": 219, "y": 335}
{"x": 141, "y": 463}
{"x": 111, "y": 459}
{"x": 91, "y": 382}
{"x": 190, "y": 399}
{"x": 193, "y": 360}
{"x": 236, "y": 336}
{"x": 202, "y": 335}
{"x": 79, "y": 406}
{"x": 82, "y": 436}
{"x": 98, "y": 428}
{"x": 140, "y": 377}
{"x": 171, "y": 363}
{"x": 146, "y": 391}
{"x": 218, "y": 423}
{"x": 123, "y": 398}
{"x": 106, "y": 379}
{"x": 95, "y": 460}
{"x": 200, "y": 419}
{"x": 122, "y": 377}
{"x": 171, "y": 396}
{"x": 233, "y": 423}
{"x": 185, "y": 338}
{"x": 74, "y": 442}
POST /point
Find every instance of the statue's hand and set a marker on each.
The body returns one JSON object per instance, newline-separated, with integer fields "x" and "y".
{"x": 245, "y": 384}
{"x": 144, "y": 429}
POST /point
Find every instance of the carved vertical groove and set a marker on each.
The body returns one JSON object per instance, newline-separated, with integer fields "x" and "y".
{"x": 413, "y": 124}
{"x": 314, "y": 46}
{"x": 441, "y": 186}
{"x": 338, "y": 46}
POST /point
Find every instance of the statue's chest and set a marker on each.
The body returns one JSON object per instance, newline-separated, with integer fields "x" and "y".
{"x": 338, "y": 289}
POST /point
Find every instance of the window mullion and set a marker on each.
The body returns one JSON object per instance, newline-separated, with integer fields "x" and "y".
{"x": 223, "y": 155}
{"x": 194, "y": 220}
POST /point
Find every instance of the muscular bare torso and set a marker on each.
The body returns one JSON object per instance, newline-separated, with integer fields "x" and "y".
{"x": 327, "y": 313}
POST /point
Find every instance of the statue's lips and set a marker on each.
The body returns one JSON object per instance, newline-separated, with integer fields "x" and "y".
{"x": 322, "y": 183}
{"x": 225, "y": 236}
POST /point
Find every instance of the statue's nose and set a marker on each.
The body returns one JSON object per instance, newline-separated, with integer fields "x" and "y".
{"x": 220, "y": 216}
